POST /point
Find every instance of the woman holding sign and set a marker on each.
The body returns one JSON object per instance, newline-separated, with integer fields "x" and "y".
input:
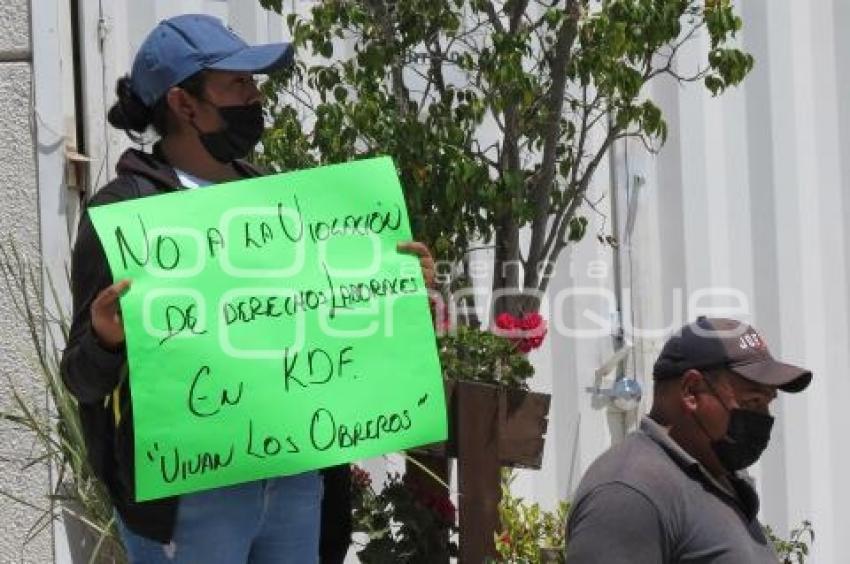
{"x": 192, "y": 81}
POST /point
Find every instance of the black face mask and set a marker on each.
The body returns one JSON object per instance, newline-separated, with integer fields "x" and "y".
{"x": 745, "y": 440}
{"x": 747, "y": 435}
{"x": 243, "y": 128}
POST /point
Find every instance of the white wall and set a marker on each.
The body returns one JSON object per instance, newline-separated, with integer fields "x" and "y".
{"x": 762, "y": 183}
{"x": 748, "y": 194}
{"x": 19, "y": 222}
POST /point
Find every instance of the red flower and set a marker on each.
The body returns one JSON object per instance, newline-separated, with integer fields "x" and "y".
{"x": 505, "y": 538}
{"x": 507, "y": 321}
{"x": 526, "y": 333}
{"x": 360, "y": 478}
{"x": 531, "y": 321}
{"x": 440, "y": 505}
{"x": 524, "y": 346}
{"x": 446, "y": 510}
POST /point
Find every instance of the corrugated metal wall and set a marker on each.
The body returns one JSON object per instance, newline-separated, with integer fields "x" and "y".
{"x": 745, "y": 208}
{"x": 759, "y": 182}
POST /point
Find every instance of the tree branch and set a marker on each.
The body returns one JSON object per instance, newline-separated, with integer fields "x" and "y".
{"x": 601, "y": 114}
{"x": 560, "y": 243}
{"x": 387, "y": 29}
{"x": 649, "y": 74}
{"x": 307, "y": 103}
{"x": 578, "y": 157}
{"x": 541, "y": 185}
{"x": 482, "y": 154}
{"x": 643, "y": 139}
{"x": 515, "y": 18}
{"x": 436, "y": 56}
{"x": 494, "y": 17}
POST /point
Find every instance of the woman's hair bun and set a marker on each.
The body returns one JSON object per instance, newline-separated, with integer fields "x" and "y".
{"x": 129, "y": 112}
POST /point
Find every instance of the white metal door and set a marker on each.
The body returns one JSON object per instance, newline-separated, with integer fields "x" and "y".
{"x": 112, "y": 31}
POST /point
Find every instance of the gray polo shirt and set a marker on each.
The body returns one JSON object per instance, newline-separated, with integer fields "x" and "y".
{"x": 646, "y": 500}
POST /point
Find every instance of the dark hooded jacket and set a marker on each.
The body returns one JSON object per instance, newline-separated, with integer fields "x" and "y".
{"x": 97, "y": 376}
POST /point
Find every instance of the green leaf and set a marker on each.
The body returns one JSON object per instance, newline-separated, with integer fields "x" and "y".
{"x": 577, "y": 228}
{"x": 275, "y": 5}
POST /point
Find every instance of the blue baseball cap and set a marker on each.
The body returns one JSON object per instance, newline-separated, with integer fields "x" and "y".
{"x": 183, "y": 45}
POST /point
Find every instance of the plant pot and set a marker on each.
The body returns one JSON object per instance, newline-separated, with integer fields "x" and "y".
{"x": 520, "y": 424}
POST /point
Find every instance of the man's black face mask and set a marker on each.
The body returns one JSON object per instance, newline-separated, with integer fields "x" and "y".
{"x": 745, "y": 439}
{"x": 747, "y": 435}
{"x": 242, "y": 130}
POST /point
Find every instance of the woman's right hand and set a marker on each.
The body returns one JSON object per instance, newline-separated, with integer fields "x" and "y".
{"x": 106, "y": 316}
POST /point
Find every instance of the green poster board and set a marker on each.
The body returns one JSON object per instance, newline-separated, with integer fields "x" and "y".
{"x": 272, "y": 327}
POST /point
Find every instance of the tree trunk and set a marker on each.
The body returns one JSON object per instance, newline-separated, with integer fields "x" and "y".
{"x": 506, "y": 266}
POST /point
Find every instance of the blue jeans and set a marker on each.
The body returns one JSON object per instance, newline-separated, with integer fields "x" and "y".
{"x": 263, "y": 522}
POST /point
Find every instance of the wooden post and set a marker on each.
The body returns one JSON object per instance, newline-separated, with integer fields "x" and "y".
{"x": 478, "y": 471}
{"x": 489, "y": 427}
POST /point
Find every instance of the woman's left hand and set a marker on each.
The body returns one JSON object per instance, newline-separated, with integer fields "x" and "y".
{"x": 425, "y": 259}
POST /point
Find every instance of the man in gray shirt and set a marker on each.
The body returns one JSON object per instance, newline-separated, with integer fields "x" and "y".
{"x": 674, "y": 491}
